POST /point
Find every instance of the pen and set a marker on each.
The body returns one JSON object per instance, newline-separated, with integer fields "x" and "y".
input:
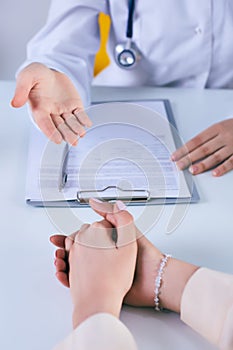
{"x": 63, "y": 174}
{"x": 115, "y": 236}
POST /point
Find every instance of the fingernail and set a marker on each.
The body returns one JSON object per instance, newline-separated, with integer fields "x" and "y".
{"x": 57, "y": 140}
{"x": 74, "y": 143}
{"x": 96, "y": 200}
{"x": 121, "y": 205}
{"x": 82, "y": 134}
{"x": 173, "y": 158}
{"x": 215, "y": 172}
{"x": 193, "y": 169}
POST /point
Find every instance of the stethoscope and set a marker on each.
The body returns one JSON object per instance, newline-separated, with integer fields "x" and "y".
{"x": 127, "y": 54}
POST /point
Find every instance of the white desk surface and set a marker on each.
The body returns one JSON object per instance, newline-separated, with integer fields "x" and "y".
{"x": 35, "y": 310}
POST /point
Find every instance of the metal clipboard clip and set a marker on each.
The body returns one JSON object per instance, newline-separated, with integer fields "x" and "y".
{"x": 113, "y": 193}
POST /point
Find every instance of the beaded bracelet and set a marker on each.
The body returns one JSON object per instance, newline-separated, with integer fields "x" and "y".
{"x": 158, "y": 280}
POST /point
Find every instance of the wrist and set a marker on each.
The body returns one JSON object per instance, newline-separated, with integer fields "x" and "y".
{"x": 142, "y": 291}
{"x": 175, "y": 277}
{"x": 95, "y": 305}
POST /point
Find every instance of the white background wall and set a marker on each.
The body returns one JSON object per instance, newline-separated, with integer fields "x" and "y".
{"x": 19, "y": 21}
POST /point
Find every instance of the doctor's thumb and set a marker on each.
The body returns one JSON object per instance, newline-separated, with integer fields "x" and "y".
{"x": 24, "y": 84}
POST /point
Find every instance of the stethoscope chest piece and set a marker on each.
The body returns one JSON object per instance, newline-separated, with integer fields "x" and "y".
{"x": 127, "y": 55}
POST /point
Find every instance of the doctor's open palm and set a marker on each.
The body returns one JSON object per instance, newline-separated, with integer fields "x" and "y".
{"x": 54, "y": 101}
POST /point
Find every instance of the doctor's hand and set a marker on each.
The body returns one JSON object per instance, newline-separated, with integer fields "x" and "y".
{"x": 211, "y": 149}
{"x": 54, "y": 101}
{"x": 99, "y": 275}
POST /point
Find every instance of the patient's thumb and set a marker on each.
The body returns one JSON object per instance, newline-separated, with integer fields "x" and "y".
{"x": 101, "y": 208}
{"x": 116, "y": 213}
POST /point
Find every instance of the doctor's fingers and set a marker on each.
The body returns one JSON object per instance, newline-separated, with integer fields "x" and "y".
{"x": 223, "y": 129}
{"x": 195, "y": 142}
{"x": 74, "y": 123}
{"x": 82, "y": 117}
{"x": 223, "y": 156}
{"x": 46, "y": 125}
{"x": 224, "y": 167}
{"x": 68, "y": 134}
{"x": 70, "y": 127}
{"x": 201, "y": 152}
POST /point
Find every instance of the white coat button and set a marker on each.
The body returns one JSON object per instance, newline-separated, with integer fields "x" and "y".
{"x": 198, "y": 30}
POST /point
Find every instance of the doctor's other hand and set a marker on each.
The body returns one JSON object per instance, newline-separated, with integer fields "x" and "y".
{"x": 211, "y": 149}
{"x": 54, "y": 102}
{"x": 99, "y": 275}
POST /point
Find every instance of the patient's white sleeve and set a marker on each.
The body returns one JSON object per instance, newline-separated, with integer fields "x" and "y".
{"x": 99, "y": 332}
{"x": 207, "y": 306}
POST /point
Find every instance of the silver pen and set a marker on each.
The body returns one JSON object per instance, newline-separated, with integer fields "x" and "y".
{"x": 63, "y": 174}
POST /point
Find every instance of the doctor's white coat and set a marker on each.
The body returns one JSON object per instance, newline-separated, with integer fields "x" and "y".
{"x": 183, "y": 43}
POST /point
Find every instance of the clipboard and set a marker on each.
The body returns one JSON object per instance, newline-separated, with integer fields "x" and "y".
{"x": 59, "y": 156}
{"x": 113, "y": 193}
